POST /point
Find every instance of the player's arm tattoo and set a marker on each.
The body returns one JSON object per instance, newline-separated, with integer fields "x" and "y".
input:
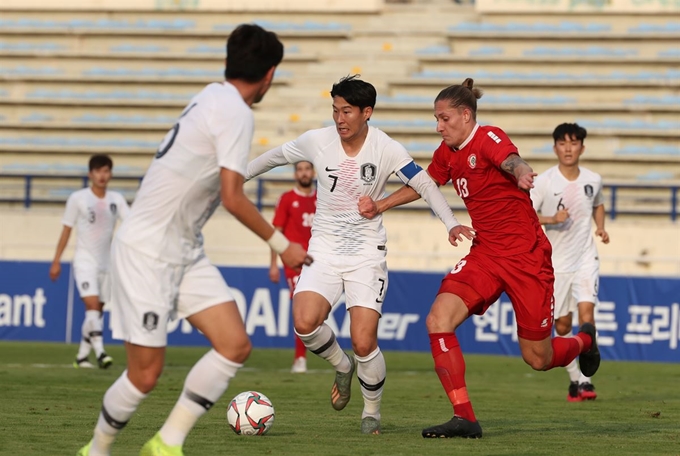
{"x": 516, "y": 166}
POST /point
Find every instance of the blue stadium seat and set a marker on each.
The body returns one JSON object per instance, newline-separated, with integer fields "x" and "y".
{"x": 116, "y": 118}
{"x": 138, "y": 48}
{"x": 531, "y": 27}
{"x": 668, "y": 27}
{"x": 279, "y": 26}
{"x": 174, "y": 24}
{"x": 37, "y": 117}
{"x": 487, "y": 50}
{"x": 434, "y": 49}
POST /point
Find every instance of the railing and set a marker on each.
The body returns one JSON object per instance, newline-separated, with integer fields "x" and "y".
{"x": 624, "y": 198}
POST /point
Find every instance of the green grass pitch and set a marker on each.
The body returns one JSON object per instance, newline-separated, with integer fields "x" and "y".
{"x": 48, "y": 408}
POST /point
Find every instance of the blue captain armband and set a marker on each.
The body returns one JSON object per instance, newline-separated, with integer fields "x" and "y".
{"x": 408, "y": 172}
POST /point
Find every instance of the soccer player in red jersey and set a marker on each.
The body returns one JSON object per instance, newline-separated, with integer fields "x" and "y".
{"x": 293, "y": 216}
{"x": 510, "y": 253}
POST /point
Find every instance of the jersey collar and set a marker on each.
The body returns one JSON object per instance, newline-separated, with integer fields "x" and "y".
{"x": 298, "y": 192}
{"x": 469, "y": 138}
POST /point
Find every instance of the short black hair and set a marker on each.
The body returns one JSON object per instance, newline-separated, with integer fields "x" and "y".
{"x": 303, "y": 161}
{"x": 251, "y": 52}
{"x": 355, "y": 91}
{"x": 100, "y": 161}
{"x": 573, "y": 130}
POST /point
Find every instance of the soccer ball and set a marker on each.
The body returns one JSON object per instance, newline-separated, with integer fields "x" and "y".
{"x": 250, "y": 413}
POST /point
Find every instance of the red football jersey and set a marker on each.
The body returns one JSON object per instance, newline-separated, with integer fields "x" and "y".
{"x": 502, "y": 215}
{"x": 294, "y": 215}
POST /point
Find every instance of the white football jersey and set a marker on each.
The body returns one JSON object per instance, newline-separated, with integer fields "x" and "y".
{"x": 181, "y": 188}
{"x": 338, "y": 228}
{"x": 94, "y": 218}
{"x": 572, "y": 241}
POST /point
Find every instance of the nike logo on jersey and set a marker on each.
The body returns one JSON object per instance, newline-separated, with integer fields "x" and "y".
{"x": 557, "y": 194}
{"x": 331, "y": 169}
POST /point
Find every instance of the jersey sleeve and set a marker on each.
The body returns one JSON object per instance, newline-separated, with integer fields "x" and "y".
{"x": 281, "y": 212}
{"x": 301, "y": 148}
{"x": 233, "y": 135}
{"x": 71, "y": 213}
{"x": 599, "y": 197}
{"x": 399, "y": 161}
{"x": 498, "y": 146}
{"x": 540, "y": 185}
{"x": 439, "y": 167}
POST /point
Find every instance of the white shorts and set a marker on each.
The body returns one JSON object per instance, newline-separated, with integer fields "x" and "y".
{"x": 91, "y": 281}
{"x": 574, "y": 287}
{"x": 147, "y": 293}
{"x": 363, "y": 280}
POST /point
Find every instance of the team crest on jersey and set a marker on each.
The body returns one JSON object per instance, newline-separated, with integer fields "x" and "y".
{"x": 85, "y": 285}
{"x": 150, "y": 321}
{"x": 113, "y": 208}
{"x": 368, "y": 172}
{"x": 472, "y": 161}
{"x": 296, "y": 204}
{"x": 589, "y": 190}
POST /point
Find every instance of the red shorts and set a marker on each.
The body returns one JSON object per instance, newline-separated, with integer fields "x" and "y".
{"x": 527, "y": 278}
{"x": 291, "y": 278}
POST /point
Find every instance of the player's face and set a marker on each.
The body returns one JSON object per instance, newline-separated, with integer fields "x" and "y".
{"x": 452, "y": 123}
{"x": 100, "y": 177}
{"x": 350, "y": 121}
{"x": 568, "y": 150}
{"x": 304, "y": 174}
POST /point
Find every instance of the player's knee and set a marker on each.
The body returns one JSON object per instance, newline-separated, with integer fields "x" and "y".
{"x": 305, "y": 325}
{"x": 364, "y": 347}
{"x": 236, "y": 350}
{"x": 562, "y": 328}
{"x": 145, "y": 379}
{"x": 537, "y": 361}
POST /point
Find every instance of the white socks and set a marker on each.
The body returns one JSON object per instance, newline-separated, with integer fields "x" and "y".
{"x": 322, "y": 342}
{"x": 371, "y": 371}
{"x": 120, "y": 402}
{"x": 574, "y": 371}
{"x": 92, "y": 334}
{"x": 583, "y": 378}
{"x": 204, "y": 385}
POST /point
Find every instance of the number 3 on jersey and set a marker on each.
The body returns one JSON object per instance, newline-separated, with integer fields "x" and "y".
{"x": 462, "y": 188}
{"x": 170, "y": 136}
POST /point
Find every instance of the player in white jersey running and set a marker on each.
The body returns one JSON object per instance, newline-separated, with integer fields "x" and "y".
{"x": 566, "y": 196}
{"x": 352, "y": 160}
{"x": 159, "y": 269}
{"x": 94, "y": 211}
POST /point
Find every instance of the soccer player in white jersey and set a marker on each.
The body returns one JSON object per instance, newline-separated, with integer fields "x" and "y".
{"x": 159, "y": 270}
{"x": 94, "y": 211}
{"x": 352, "y": 160}
{"x": 566, "y": 196}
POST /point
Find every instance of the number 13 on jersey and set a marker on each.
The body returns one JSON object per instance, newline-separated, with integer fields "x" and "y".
{"x": 461, "y": 187}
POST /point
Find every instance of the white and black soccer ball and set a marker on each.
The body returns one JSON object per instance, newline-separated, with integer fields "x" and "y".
{"x": 250, "y": 413}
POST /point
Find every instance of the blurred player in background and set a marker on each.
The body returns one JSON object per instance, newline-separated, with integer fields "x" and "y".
{"x": 352, "y": 160}
{"x": 293, "y": 216}
{"x": 159, "y": 269}
{"x": 94, "y": 210}
{"x": 566, "y": 196}
{"x": 510, "y": 253}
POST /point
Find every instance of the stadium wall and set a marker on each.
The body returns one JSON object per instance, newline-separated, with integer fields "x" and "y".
{"x": 637, "y": 318}
{"x": 416, "y": 241}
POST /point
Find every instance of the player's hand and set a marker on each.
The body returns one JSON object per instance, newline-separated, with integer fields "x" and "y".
{"x": 295, "y": 257}
{"x": 604, "y": 235}
{"x": 55, "y": 271}
{"x": 367, "y": 207}
{"x": 561, "y": 215}
{"x": 457, "y": 232}
{"x": 274, "y": 273}
{"x": 526, "y": 181}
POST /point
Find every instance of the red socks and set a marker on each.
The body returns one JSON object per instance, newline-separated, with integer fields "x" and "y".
{"x": 300, "y": 349}
{"x": 450, "y": 367}
{"x": 566, "y": 349}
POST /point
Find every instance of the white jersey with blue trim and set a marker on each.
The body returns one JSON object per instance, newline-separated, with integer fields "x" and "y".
{"x": 94, "y": 218}
{"x": 572, "y": 240}
{"x": 181, "y": 188}
{"x": 338, "y": 228}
